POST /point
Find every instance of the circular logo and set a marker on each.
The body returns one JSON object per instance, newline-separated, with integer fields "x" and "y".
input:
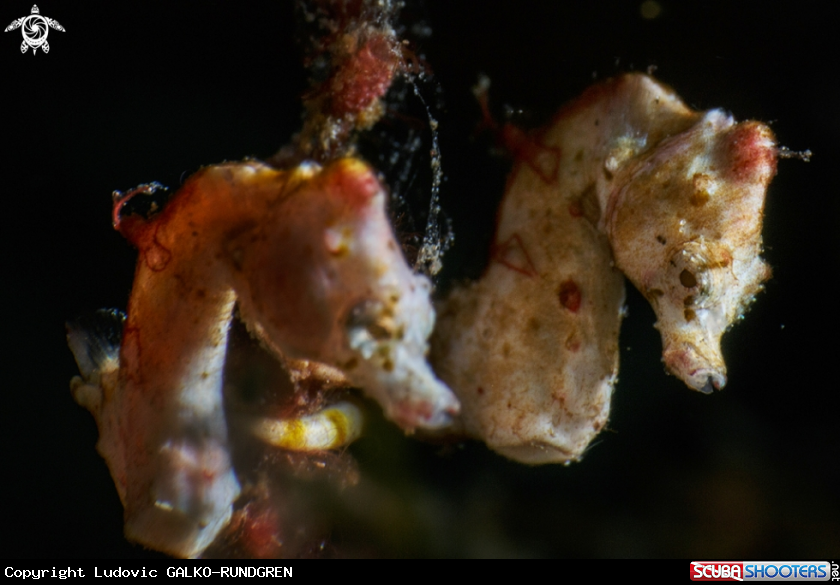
{"x": 35, "y": 30}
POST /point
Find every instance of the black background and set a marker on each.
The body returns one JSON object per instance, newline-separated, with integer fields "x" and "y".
{"x": 134, "y": 92}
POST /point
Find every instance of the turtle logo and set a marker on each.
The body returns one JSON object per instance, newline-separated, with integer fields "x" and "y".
{"x": 35, "y": 28}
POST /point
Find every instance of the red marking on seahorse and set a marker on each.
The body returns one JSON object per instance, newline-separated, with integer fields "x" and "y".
{"x": 576, "y": 208}
{"x": 751, "y": 152}
{"x": 570, "y": 295}
{"x": 156, "y": 255}
{"x": 512, "y": 253}
{"x": 544, "y": 160}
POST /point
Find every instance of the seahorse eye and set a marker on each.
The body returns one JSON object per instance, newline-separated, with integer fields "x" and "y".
{"x": 687, "y": 278}
{"x": 690, "y": 276}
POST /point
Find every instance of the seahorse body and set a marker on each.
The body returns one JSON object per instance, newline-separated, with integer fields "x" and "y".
{"x": 625, "y": 178}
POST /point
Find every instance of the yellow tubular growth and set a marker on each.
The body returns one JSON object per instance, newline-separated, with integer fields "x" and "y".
{"x": 332, "y": 428}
